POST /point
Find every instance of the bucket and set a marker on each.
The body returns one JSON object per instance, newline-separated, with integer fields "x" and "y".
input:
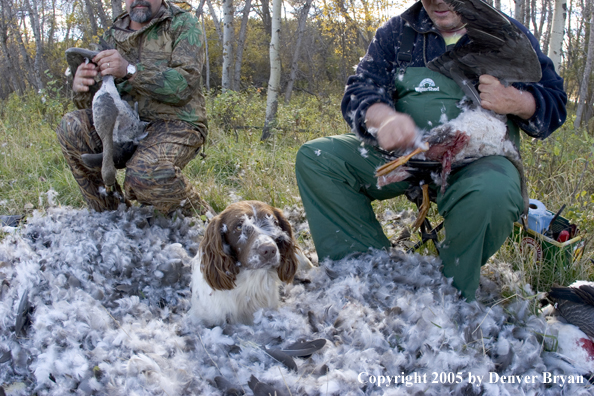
{"x": 539, "y": 217}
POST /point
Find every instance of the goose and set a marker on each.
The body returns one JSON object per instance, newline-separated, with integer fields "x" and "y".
{"x": 575, "y": 303}
{"x": 118, "y": 125}
{"x": 497, "y": 47}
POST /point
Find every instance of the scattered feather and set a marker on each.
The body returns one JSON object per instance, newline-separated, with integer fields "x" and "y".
{"x": 22, "y": 313}
{"x": 261, "y": 388}
{"x": 227, "y": 387}
{"x": 381, "y": 314}
{"x": 282, "y": 357}
{"x": 304, "y": 348}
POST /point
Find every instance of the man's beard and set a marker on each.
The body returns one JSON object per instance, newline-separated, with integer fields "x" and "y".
{"x": 141, "y": 15}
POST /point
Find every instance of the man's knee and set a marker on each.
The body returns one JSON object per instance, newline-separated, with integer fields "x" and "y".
{"x": 311, "y": 149}
{"x": 489, "y": 186}
{"x": 304, "y": 158}
{"x": 66, "y": 124}
{"x": 141, "y": 175}
{"x": 74, "y": 118}
{"x": 501, "y": 194}
{"x": 72, "y": 125}
{"x": 327, "y": 151}
{"x": 309, "y": 162}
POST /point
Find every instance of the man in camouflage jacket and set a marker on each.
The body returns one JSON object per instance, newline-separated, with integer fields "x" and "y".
{"x": 156, "y": 63}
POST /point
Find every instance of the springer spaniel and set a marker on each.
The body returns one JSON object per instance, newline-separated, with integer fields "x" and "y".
{"x": 246, "y": 251}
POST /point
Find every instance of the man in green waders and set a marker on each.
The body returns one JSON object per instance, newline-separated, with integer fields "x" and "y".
{"x": 384, "y": 103}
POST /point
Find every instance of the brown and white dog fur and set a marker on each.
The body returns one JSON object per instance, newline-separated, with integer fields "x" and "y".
{"x": 247, "y": 250}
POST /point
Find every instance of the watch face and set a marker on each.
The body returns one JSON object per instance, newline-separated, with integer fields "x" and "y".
{"x": 131, "y": 69}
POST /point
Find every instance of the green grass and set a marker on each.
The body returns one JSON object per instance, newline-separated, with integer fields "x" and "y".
{"x": 31, "y": 161}
{"x": 238, "y": 164}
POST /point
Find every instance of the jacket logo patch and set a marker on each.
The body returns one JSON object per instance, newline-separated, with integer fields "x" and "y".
{"x": 427, "y": 85}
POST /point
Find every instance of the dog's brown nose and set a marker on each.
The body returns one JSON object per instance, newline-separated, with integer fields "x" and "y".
{"x": 267, "y": 250}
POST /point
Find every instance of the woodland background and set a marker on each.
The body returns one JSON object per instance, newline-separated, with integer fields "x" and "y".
{"x": 274, "y": 79}
{"x": 317, "y": 42}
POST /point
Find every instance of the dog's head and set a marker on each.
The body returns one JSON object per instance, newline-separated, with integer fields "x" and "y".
{"x": 247, "y": 235}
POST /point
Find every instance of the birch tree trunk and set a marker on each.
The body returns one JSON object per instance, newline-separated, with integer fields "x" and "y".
{"x": 215, "y": 20}
{"x": 228, "y": 13}
{"x": 275, "y": 70}
{"x": 52, "y": 30}
{"x": 586, "y": 78}
{"x": 519, "y": 10}
{"x": 547, "y": 33}
{"x": 199, "y": 12}
{"x": 294, "y": 63}
{"x": 91, "y": 16}
{"x": 206, "y": 57}
{"x": 26, "y": 67}
{"x": 10, "y": 64}
{"x": 241, "y": 44}
{"x": 9, "y": 59}
{"x": 116, "y": 8}
{"x": 102, "y": 15}
{"x": 570, "y": 38}
{"x": 544, "y": 15}
{"x": 557, "y": 31}
{"x": 36, "y": 27}
{"x": 588, "y": 110}
{"x": 265, "y": 15}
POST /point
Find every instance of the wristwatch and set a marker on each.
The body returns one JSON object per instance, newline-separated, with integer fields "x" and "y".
{"x": 130, "y": 71}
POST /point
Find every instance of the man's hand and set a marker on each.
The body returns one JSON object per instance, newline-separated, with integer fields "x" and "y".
{"x": 84, "y": 77}
{"x": 505, "y": 100}
{"x": 394, "y": 130}
{"x": 111, "y": 62}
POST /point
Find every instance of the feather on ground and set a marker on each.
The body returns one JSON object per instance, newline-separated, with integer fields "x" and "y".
{"x": 105, "y": 321}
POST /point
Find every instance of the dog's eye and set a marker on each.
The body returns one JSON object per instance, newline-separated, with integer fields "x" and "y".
{"x": 238, "y": 227}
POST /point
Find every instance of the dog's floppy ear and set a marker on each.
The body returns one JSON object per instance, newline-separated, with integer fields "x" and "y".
{"x": 286, "y": 246}
{"x": 218, "y": 268}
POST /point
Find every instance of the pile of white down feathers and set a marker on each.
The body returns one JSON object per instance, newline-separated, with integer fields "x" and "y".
{"x": 109, "y": 294}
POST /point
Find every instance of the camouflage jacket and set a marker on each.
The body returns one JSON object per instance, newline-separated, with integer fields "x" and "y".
{"x": 168, "y": 55}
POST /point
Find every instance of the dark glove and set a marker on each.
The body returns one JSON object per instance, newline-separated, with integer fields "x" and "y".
{"x": 122, "y": 152}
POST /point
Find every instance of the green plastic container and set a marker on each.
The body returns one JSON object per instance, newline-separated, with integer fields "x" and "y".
{"x": 543, "y": 249}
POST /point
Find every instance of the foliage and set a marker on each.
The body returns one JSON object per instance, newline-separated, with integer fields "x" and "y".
{"x": 558, "y": 170}
{"x": 239, "y": 165}
{"x": 336, "y": 36}
{"x": 558, "y": 173}
{"x": 320, "y": 71}
{"x": 350, "y": 26}
{"x": 31, "y": 162}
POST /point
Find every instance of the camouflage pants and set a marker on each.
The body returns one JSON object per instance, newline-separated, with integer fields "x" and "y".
{"x": 153, "y": 174}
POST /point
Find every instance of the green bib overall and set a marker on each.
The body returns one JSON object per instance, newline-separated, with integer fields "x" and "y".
{"x": 336, "y": 180}
{"x": 431, "y": 99}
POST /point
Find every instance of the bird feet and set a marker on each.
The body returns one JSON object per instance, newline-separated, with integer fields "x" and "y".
{"x": 390, "y": 166}
{"x": 424, "y": 208}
